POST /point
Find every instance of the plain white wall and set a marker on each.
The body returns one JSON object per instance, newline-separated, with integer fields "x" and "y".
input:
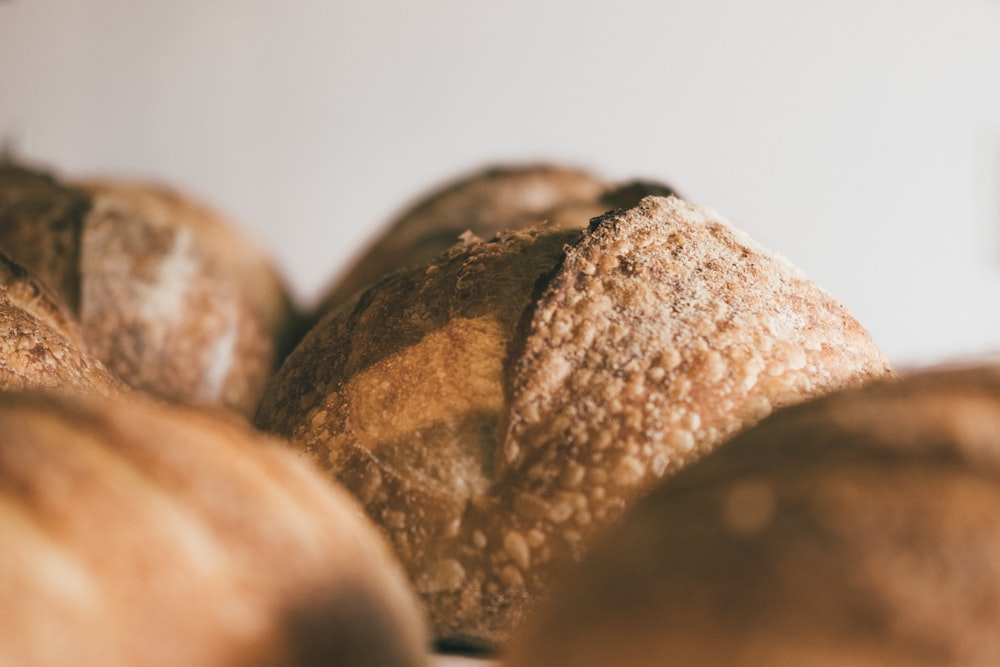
{"x": 860, "y": 137}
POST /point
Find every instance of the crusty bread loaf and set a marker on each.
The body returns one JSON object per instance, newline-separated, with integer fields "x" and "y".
{"x": 484, "y": 203}
{"x": 173, "y": 299}
{"x": 40, "y": 342}
{"x": 176, "y": 300}
{"x": 497, "y": 407}
{"x": 857, "y": 529}
{"x": 137, "y": 533}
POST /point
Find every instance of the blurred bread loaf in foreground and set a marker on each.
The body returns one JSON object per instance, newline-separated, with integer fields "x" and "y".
{"x": 170, "y": 297}
{"x": 136, "y": 533}
{"x": 858, "y": 529}
{"x": 497, "y": 407}
{"x": 40, "y": 342}
{"x": 484, "y": 203}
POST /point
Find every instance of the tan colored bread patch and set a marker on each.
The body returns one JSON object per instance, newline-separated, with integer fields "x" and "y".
{"x": 141, "y": 534}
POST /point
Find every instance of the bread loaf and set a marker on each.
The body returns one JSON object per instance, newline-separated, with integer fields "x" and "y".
{"x": 497, "y": 407}
{"x": 857, "y": 529}
{"x": 171, "y": 297}
{"x": 136, "y": 533}
{"x": 484, "y": 203}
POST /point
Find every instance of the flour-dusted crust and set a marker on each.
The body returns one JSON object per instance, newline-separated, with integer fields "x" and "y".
{"x": 137, "y": 533}
{"x": 664, "y": 332}
{"x": 857, "y": 529}
{"x": 175, "y": 300}
{"x": 496, "y": 408}
{"x": 401, "y": 396}
{"x": 171, "y": 297}
{"x": 484, "y": 203}
{"x": 41, "y": 346}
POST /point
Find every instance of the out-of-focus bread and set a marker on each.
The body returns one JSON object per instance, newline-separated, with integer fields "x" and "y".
{"x": 176, "y": 300}
{"x": 137, "y": 533}
{"x": 497, "y": 407}
{"x": 172, "y": 298}
{"x": 484, "y": 203}
{"x": 858, "y": 529}
{"x": 40, "y": 342}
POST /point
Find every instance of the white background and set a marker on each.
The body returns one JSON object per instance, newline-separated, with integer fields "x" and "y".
{"x": 861, "y": 138}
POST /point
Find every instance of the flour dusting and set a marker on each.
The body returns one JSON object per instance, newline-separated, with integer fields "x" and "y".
{"x": 164, "y": 298}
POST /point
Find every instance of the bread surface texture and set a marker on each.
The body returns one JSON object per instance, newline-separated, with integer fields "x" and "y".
{"x": 170, "y": 296}
{"x": 856, "y": 529}
{"x": 41, "y": 222}
{"x": 137, "y": 533}
{"x": 176, "y": 300}
{"x": 485, "y": 202}
{"x": 496, "y": 408}
{"x": 41, "y": 346}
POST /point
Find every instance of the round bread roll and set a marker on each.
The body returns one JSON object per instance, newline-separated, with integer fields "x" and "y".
{"x": 41, "y": 346}
{"x": 485, "y": 202}
{"x": 859, "y": 529}
{"x": 172, "y": 298}
{"x": 495, "y": 408}
{"x": 143, "y": 534}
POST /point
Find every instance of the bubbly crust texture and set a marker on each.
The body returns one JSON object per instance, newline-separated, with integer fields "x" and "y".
{"x": 858, "y": 529}
{"x": 485, "y": 202}
{"x": 496, "y": 408}
{"x": 142, "y": 534}
{"x": 41, "y": 346}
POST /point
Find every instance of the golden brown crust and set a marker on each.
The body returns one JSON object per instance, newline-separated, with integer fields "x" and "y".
{"x": 858, "y": 529}
{"x": 484, "y": 203}
{"x": 495, "y": 408}
{"x": 140, "y": 534}
{"x": 175, "y": 301}
{"x": 400, "y": 395}
{"x": 41, "y": 346}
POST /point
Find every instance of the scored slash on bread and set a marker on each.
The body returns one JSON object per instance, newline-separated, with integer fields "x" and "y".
{"x": 494, "y": 405}
{"x": 485, "y": 202}
{"x": 170, "y": 297}
{"x": 496, "y": 408}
